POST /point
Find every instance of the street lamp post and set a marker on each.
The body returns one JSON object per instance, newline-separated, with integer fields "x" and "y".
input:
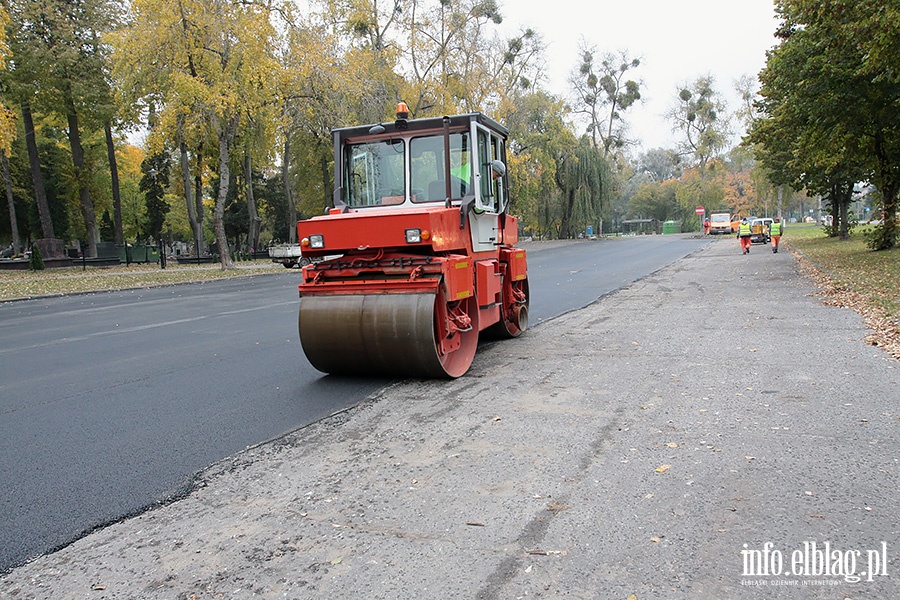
{"x": 162, "y": 251}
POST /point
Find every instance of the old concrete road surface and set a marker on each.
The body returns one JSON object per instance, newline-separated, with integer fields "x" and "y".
{"x": 710, "y": 431}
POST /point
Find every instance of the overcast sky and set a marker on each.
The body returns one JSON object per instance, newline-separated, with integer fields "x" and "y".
{"x": 676, "y": 40}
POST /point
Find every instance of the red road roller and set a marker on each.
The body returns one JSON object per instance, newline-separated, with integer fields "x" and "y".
{"x": 418, "y": 252}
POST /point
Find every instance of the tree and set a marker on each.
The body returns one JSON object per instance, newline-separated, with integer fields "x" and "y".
{"x": 191, "y": 180}
{"x": 830, "y": 105}
{"x": 443, "y": 43}
{"x": 653, "y": 200}
{"x": 36, "y": 261}
{"x": 539, "y": 140}
{"x": 154, "y": 184}
{"x": 20, "y": 83}
{"x": 62, "y": 60}
{"x": 583, "y": 177}
{"x": 748, "y": 112}
{"x": 800, "y": 138}
{"x": 134, "y": 204}
{"x": 118, "y": 236}
{"x": 704, "y": 187}
{"x": 659, "y": 164}
{"x": 214, "y": 58}
{"x": 7, "y": 134}
{"x": 602, "y": 93}
{"x": 699, "y": 117}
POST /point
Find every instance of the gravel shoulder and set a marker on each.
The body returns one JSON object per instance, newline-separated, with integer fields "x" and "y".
{"x": 636, "y": 448}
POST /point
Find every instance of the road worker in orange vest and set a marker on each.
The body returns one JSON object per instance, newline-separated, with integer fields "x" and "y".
{"x": 744, "y": 233}
{"x": 776, "y": 230}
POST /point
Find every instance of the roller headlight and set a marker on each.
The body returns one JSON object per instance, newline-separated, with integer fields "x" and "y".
{"x": 413, "y": 236}
{"x": 317, "y": 240}
{"x": 416, "y": 235}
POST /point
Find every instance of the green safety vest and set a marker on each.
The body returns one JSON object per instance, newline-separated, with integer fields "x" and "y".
{"x": 775, "y": 229}
{"x": 744, "y": 230}
{"x": 463, "y": 171}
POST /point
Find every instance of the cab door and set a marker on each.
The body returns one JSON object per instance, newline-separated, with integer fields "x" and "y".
{"x": 490, "y": 192}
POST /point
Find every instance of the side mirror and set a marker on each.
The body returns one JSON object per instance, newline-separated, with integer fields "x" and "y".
{"x": 467, "y": 204}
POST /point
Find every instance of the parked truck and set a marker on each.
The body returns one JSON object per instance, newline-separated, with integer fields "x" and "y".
{"x": 289, "y": 255}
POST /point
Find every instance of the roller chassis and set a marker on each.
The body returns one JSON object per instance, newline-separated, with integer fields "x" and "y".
{"x": 414, "y": 306}
{"x": 459, "y": 313}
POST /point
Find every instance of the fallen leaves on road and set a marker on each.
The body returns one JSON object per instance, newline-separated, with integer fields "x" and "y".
{"x": 885, "y": 330}
{"x": 548, "y": 552}
{"x": 556, "y": 506}
{"x": 663, "y": 468}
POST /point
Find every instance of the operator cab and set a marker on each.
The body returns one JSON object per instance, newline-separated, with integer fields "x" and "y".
{"x": 411, "y": 163}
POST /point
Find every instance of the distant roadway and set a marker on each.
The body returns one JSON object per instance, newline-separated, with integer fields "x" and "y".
{"x": 111, "y": 402}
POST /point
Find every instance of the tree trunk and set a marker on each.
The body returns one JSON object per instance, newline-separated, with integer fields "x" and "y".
{"x": 833, "y": 211}
{"x": 226, "y": 134}
{"x": 780, "y": 214}
{"x": 326, "y": 180}
{"x": 198, "y": 200}
{"x": 888, "y": 183}
{"x": 841, "y": 195}
{"x": 844, "y": 233}
{"x": 889, "y": 226}
{"x": 253, "y": 228}
{"x": 891, "y": 210}
{"x": 566, "y": 224}
{"x": 114, "y": 177}
{"x": 87, "y": 205}
{"x": 14, "y": 225}
{"x": 288, "y": 196}
{"x": 187, "y": 183}
{"x": 40, "y": 194}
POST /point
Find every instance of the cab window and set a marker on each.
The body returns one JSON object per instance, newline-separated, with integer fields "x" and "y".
{"x": 427, "y": 182}
{"x": 375, "y": 173}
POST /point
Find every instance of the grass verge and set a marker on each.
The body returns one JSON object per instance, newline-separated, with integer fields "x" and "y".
{"x": 849, "y": 274}
{"x": 31, "y": 284}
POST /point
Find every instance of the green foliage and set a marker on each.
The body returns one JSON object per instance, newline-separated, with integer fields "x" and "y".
{"x": 539, "y": 139}
{"x": 602, "y": 93}
{"x": 700, "y": 117}
{"x": 36, "y": 262}
{"x": 831, "y": 113}
{"x": 259, "y": 78}
{"x": 58, "y": 54}
{"x": 56, "y": 167}
{"x": 584, "y": 178}
{"x": 60, "y": 68}
{"x": 153, "y": 184}
{"x": 107, "y": 230}
{"x": 653, "y": 200}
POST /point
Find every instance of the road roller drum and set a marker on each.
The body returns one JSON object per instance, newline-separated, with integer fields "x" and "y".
{"x": 377, "y": 334}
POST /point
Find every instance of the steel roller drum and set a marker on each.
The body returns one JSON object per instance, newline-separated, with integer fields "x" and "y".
{"x": 372, "y": 334}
